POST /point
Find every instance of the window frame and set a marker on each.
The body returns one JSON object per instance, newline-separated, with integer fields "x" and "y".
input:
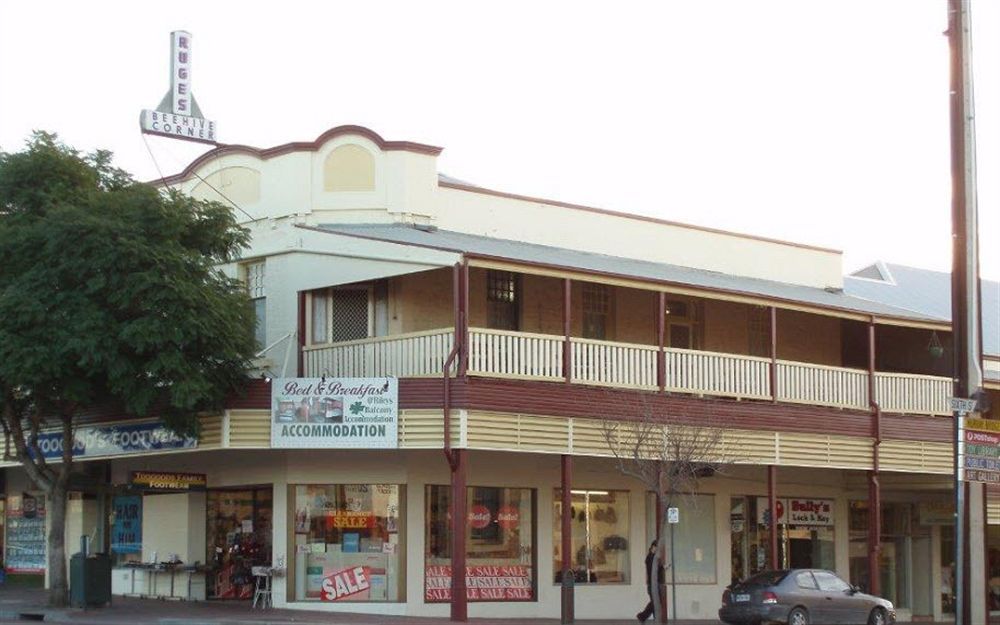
{"x": 557, "y": 527}
{"x": 690, "y": 320}
{"x": 516, "y": 290}
{"x": 327, "y": 294}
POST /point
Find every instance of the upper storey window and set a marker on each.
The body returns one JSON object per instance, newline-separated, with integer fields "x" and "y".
{"x": 254, "y": 278}
{"x": 349, "y": 168}
{"x": 503, "y": 295}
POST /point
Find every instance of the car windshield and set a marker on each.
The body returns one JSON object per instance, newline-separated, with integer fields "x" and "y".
{"x": 767, "y": 578}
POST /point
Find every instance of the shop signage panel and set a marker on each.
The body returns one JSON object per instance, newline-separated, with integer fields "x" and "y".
{"x": 335, "y": 413}
{"x": 168, "y": 481}
{"x": 126, "y": 531}
{"x": 178, "y": 115}
{"x": 979, "y": 448}
{"x": 24, "y": 547}
{"x": 812, "y": 512}
{"x": 115, "y": 440}
{"x": 483, "y": 583}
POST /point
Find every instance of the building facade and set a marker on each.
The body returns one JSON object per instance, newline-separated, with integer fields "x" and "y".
{"x": 517, "y": 329}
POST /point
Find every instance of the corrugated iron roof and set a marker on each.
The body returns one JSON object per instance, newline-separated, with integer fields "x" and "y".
{"x": 519, "y": 251}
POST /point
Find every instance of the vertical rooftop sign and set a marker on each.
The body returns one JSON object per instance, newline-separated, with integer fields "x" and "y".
{"x": 178, "y": 115}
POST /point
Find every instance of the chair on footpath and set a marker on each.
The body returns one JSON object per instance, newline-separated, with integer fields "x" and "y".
{"x": 262, "y": 586}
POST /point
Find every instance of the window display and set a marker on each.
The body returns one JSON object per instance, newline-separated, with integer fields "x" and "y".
{"x": 25, "y": 546}
{"x": 599, "y": 536}
{"x": 349, "y": 543}
{"x": 239, "y": 538}
{"x": 694, "y": 537}
{"x": 500, "y": 538}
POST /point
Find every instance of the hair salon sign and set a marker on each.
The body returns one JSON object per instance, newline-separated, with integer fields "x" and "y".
{"x": 178, "y": 115}
{"x": 335, "y": 413}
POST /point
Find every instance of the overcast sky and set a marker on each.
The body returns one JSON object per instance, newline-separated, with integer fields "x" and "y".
{"x": 822, "y": 122}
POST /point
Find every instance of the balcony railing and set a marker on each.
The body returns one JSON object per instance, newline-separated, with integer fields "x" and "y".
{"x": 522, "y": 355}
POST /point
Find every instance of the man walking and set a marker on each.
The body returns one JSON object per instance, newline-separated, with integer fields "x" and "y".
{"x": 648, "y": 610}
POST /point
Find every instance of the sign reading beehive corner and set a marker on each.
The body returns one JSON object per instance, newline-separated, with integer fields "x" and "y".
{"x": 178, "y": 115}
{"x": 335, "y": 413}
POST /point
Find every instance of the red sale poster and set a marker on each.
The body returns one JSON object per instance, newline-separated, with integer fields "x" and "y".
{"x": 353, "y": 582}
{"x": 483, "y": 583}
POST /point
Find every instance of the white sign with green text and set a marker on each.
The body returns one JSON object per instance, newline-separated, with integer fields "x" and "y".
{"x": 335, "y": 413}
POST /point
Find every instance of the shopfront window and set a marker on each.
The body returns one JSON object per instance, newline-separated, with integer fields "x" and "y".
{"x": 599, "y": 536}
{"x": 694, "y": 538}
{"x": 896, "y": 550}
{"x": 239, "y": 538}
{"x": 348, "y": 543}
{"x": 500, "y": 537}
{"x": 805, "y": 534}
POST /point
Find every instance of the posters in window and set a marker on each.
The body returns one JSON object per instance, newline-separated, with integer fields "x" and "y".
{"x": 335, "y": 413}
{"x": 25, "y": 550}
{"x": 483, "y": 583}
{"x": 126, "y": 530}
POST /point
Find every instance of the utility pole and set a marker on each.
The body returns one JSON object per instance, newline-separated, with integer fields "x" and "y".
{"x": 970, "y": 548}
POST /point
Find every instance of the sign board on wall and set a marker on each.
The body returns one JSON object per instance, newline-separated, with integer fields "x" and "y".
{"x": 115, "y": 440}
{"x": 335, "y": 413}
{"x": 126, "y": 531}
{"x": 814, "y": 512}
{"x": 178, "y": 115}
{"x": 169, "y": 481}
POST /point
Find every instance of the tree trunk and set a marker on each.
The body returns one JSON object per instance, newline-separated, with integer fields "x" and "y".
{"x": 56, "y": 511}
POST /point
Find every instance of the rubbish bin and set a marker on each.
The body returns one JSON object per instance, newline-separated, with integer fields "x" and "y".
{"x": 89, "y": 580}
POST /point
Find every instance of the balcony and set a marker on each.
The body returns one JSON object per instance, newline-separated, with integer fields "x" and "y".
{"x": 540, "y": 357}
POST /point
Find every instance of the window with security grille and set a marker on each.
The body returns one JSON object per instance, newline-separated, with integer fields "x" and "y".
{"x": 254, "y": 278}
{"x": 596, "y": 311}
{"x": 502, "y": 300}
{"x": 350, "y": 314}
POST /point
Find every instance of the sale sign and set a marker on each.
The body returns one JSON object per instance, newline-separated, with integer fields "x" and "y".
{"x": 483, "y": 583}
{"x": 353, "y": 582}
{"x": 348, "y": 519}
{"x": 508, "y": 517}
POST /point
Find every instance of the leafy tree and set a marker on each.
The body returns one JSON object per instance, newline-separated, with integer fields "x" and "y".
{"x": 110, "y": 292}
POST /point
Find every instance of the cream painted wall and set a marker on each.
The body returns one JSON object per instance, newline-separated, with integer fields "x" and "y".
{"x": 407, "y": 191}
{"x": 173, "y": 523}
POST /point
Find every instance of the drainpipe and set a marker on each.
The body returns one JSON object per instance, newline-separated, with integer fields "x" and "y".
{"x": 874, "y": 483}
{"x": 301, "y": 339}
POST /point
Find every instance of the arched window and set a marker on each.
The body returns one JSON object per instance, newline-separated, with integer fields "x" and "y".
{"x": 349, "y": 168}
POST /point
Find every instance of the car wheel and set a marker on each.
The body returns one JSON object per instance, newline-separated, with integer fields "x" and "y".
{"x": 877, "y": 617}
{"x": 798, "y": 616}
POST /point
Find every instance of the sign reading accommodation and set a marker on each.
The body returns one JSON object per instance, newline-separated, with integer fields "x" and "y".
{"x": 980, "y": 451}
{"x": 178, "y": 115}
{"x": 335, "y": 413}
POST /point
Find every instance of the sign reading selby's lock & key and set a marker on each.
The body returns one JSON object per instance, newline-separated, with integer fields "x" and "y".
{"x": 798, "y": 511}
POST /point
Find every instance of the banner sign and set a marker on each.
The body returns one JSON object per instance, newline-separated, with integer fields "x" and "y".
{"x": 352, "y": 582}
{"x": 979, "y": 451}
{"x": 126, "y": 530}
{"x": 178, "y": 115}
{"x": 159, "y": 480}
{"x": 483, "y": 583}
{"x": 335, "y": 413}
{"x": 814, "y": 512}
{"x": 115, "y": 440}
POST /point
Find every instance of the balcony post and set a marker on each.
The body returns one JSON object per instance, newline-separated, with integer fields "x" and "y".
{"x": 566, "y": 520}
{"x": 874, "y": 532}
{"x": 661, "y": 327}
{"x": 300, "y": 336}
{"x": 459, "y": 523}
{"x": 772, "y": 506}
{"x": 774, "y": 354}
{"x": 871, "y": 362}
{"x": 567, "y": 346}
{"x": 462, "y": 318}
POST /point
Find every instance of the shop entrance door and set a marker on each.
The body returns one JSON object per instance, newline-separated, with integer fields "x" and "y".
{"x": 238, "y": 538}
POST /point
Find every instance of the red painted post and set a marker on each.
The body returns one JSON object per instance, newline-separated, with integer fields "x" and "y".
{"x": 874, "y": 533}
{"x": 661, "y": 332}
{"x": 567, "y": 346}
{"x": 567, "y": 538}
{"x": 772, "y": 505}
{"x": 774, "y": 354}
{"x": 459, "y": 527}
{"x": 463, "y": 329}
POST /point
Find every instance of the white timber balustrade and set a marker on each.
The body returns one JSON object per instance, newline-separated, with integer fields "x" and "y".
{"x": 415, "y": 354}
{"x": 913, "y": 394}
{"x": 714, "y": 373}
{"x": 515, "y": 354}
{"x": 805, "y": 383}
{"x": 624, "y": 365}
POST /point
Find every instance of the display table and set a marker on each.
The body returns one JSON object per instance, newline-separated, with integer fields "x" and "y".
{"x": 160, "y": 581}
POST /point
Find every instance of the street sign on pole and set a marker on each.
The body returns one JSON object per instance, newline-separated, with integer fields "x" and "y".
{"x": 962, "y": 405}
{"x": 673, "y": 515}
{"x": 979, "y": 451}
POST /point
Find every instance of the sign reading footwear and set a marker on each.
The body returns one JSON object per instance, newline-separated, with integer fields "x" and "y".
{"x": 335, "y": 413}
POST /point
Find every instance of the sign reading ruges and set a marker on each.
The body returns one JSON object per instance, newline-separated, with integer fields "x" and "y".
{"x": 178, "y": 115}
{"x": 335, "y": 413}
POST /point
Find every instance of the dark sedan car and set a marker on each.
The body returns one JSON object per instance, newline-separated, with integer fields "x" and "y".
{"x": 801, "y": 597}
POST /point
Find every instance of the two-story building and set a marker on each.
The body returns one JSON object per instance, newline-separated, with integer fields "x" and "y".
{"x": 517, "y": 328}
